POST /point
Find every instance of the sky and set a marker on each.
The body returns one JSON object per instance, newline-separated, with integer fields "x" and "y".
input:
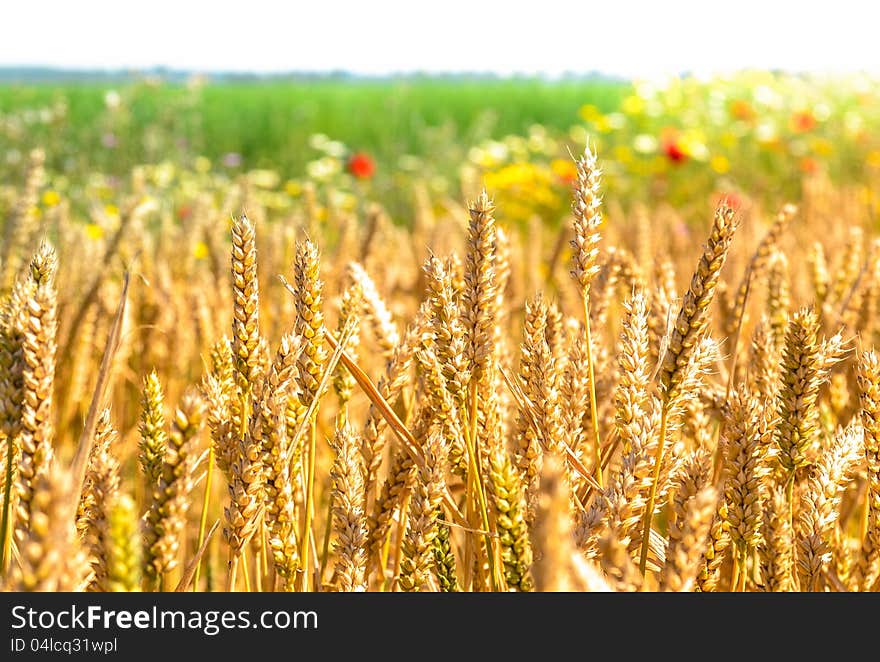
{"x": 376, "y": 37}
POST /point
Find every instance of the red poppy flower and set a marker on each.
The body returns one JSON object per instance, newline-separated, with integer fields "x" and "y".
{"x": 803, "y": 121}
{"x": 674, "y": 151}
{"x": 361, "y": 165}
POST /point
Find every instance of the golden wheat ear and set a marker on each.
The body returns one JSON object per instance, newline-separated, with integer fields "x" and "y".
{"x": 122, "y": 546}
{"x": 868, "y": 377}
{"x": 349, "y": 517}
{"x": 417, "y": 553}
{"x": 586, "y": 221}
{"x": 246, "y": 307}
{"x": 777, "y": 546}
{"x": 153, "y": 434}
{"x": 38, "y": 326}
{"x": 684, "y": 553}
{"x": 685, "y": 339}
{"x": 51, "y": 558}
{"x": 166, "y": 518}
{"x": 509, "y": 504}
{"x": 100, "y": 489}
{"x": 819, "y": 507}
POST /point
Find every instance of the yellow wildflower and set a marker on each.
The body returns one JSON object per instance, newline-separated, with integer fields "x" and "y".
{"x": 720, "y": 164}
{"x": 633, "y": 105}
{"x": 51, "y": 198}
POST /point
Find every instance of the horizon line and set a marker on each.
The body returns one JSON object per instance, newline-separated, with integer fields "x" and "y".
{"x": 22, "y": 72}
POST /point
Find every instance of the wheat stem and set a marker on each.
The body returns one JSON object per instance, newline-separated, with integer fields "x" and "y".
{"x": 477, "y": 484}
{"x": 203, "y": 518}
{"x": 652, "y": 495}
{"x": 310, "y": 503}
{"x": 594, "y": 415}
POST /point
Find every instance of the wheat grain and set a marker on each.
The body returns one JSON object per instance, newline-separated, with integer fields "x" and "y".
{"x": 99, "y": 490}
{"x": 153, "y": 436}
{"x": 170, "y": 503}
{"x": 509, "y": 504}
{"x": 685, "y": 551}
{"x": 38, "y": 327}
{"x": 349, "y": 521}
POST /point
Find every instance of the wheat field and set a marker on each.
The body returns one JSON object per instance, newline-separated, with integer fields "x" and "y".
{"x": 327, "y": 401}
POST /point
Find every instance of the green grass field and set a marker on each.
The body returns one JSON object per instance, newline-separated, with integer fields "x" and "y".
{"x": 269, "y": 123}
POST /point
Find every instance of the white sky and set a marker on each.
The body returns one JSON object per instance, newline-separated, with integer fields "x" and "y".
{"x": 378, "y": 36}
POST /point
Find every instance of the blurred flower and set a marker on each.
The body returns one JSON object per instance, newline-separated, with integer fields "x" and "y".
{"x": 335, "y": 148}
{"x": 51, "y": 198}
{"x": 674, "y": 152}
{"x": 318, "y": 140}
{"x": 112, "y": 99}
{"x": 719, "y": 163}
{"x": 231, "y": 159}
{"x": 731, "y": 198}
{"x": 163, "y": 174}
{"x": 822, "y": 146}
{"x": 765, "y": 133}
{"x": 342, "y": 200}
{"x": 767, "y": 96}
{"x": 94, "y": 231}
{"x": 491, "y": 153}
{"x": 276, "y": 200}
{"x": 589, "y": 113}
{"x": 203, "y": 164}
{"x": 499, "y": 151}
{"x": 616, "y": 120}
{"x": 727, "y": 140}
{"x": 808, "y": 165}
{"x": 853, "y": 123}
{"x": 821, "y": 111}
{"x": 633, "y": 105}
{"x": 109, "y": 141}
{"x": 742, "y": 110}
{"x": 324, "y": 168}
{"x": 693, "y": 143}
{"x": 802, "y": 121}
{"x": 645, "y": 144}
{"x": 517, "y": 147}
{"x": 200, "y": 250}
{"x": 670, "y": 141}
{"x": 564, "y": 169}
{"x": 603, "y": 124}
{"x": 524, "y": 190}
{"x": 872, "y": 160}
{"x": 361, "y": 165}
{"x": 265, "y": 179}
{"x": 293, "y": 188}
